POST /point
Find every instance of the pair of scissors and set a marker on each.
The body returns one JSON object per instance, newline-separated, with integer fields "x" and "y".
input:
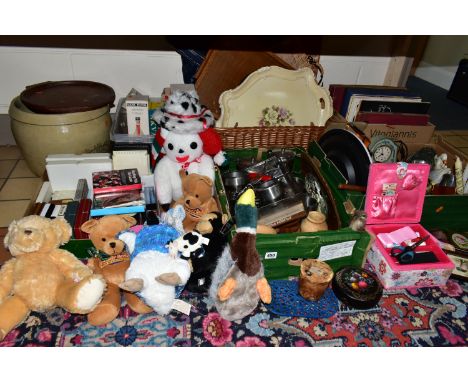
{"x": 405, "y": 254}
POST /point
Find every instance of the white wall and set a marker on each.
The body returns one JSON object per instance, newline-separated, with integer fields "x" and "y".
{"x": 354, "y": 70}
{"x": 147, "y": 71}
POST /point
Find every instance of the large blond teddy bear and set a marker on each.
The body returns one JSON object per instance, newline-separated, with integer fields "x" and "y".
{"x": 40, "y": 276}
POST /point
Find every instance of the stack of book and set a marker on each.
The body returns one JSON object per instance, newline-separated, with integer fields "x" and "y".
{"x": 379, "y": 105}
{"x": 117, "y": 192}
{"x": 75, "y": 211}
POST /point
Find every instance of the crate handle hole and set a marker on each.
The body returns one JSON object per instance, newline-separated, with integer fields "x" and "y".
{"x": 295, "y": 261}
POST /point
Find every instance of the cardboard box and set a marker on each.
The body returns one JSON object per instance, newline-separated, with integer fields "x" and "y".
{"x": 394, "y": 199}
{"x": 406, "y": 133}
{"x": 64, "y": 170}
{"x": 137, "y": 115}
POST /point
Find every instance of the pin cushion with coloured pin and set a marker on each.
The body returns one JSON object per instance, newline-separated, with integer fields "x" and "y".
{"x": 357, "y": 287}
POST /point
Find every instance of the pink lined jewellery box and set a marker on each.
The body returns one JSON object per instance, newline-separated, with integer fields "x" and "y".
{"x": 394, "y": 200}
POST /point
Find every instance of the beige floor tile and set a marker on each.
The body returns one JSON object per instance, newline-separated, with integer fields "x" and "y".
{"x": 2, "y": 181}
{"x": 10, "y": 152}
{"x": 21, "y": 188}
{"x": 22, "y": 170}
{"x": 6, "y": 166}
{"x": 10, "y": 211}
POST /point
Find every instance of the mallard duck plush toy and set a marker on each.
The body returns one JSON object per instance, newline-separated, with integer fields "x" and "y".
{"x": 238, "y": 280}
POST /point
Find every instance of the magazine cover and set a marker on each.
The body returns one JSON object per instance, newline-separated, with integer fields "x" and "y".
{"x": 116, "y": 180}
{"x": 119, "y": 199}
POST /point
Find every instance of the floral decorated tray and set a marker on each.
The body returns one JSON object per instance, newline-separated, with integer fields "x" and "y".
{"x": 274, "y": 96}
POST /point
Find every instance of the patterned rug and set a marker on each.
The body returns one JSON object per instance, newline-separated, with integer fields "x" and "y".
{"x": 413, "y": 317}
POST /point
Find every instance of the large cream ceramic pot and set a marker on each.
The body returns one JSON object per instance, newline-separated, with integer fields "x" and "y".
{"x": 38, "y": 135}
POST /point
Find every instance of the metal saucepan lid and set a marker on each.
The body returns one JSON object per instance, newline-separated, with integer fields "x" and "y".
{"x": 58, "y": 97}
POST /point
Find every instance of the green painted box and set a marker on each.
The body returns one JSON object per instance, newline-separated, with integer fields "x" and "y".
{"x": 439, "y": 211}
{"x": 282, "y": 253}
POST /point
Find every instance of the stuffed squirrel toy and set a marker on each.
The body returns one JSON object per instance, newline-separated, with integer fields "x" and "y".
{"x": 111, "y": 261}
{"x": 40, "y": 276}
{"x": 238, "y": 281}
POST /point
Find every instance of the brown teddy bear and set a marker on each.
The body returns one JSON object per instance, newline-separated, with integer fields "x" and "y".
{"x": 111, "y": 261}
{"x": 40, "y": 276}
{"x": 197, "y": 198}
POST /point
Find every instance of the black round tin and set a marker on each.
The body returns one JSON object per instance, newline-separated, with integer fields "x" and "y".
{"x": 357, "y": 287}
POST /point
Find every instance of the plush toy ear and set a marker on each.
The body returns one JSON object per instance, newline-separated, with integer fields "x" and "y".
{"x": 224, "y": 218}
{"x": 183, "y": 174}
{"x": 207, "y": 181}
{"x": 88, "y": 226}
{"x": 11, "y": 228}
{"x": 64, "y": 229}
{"x": 192, "y": 93}
{"x": 129, "y": 220}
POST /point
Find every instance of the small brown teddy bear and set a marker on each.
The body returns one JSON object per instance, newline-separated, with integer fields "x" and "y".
{"x": 40, "y": 276}
{"x": 111, "y": 261}
{"x": 197, "y": 198}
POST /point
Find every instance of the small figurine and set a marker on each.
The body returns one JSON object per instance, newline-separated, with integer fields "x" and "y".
{"x": 440, "y": 168}
{"x": 358, "y": 221}
{"x": 465, "y": 180}
{"x": 459, "y": 176}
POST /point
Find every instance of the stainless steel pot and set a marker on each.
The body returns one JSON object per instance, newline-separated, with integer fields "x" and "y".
{"x": 235, "y": 179}
{"x": 269, "y": 191}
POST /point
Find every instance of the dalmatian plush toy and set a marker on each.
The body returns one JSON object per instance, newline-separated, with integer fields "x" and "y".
{"x": 188, "y": 140}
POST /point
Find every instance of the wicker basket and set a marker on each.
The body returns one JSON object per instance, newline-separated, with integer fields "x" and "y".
{"x": 269, "y": 137}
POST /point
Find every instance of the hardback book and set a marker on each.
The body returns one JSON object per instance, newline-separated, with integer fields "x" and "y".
{"x": 393, "y": 118}
{"x": 376, "y": 92}
{"x": 355, "y": 103}
{"x": 337, "y": 91}
{"x": 394, "y": 107}
{"x": 82, "y": 189}
{"x": 139, "y": 159}
{"x": 118, "y": 199}
{"x": 82, "y": 215}
{"x": 116, "y": 180}
{"x": 117, "y": 210}
{"x": 283, "y": 212}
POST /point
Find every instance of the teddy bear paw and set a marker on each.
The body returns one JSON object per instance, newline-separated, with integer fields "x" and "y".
{"x": 90, "y": 294}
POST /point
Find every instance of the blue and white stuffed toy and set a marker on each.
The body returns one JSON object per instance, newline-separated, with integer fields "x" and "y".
{"x": 154, "y": 274}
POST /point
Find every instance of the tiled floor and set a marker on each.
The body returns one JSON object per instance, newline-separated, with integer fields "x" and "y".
{"x": 18, "y": 185}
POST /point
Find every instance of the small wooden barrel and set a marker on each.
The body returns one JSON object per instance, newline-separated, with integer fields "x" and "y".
{"x": 314, "y": 279}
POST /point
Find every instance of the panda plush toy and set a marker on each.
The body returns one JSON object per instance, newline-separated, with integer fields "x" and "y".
{"x": 188, "y": 141}
{"x": 202, "y": 248}
{"x": 191, "y": 245}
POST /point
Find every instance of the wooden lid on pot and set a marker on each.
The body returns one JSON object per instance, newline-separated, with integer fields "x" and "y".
{"x": 59, "y": 97}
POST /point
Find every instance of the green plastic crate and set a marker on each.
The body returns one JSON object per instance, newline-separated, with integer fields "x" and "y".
{"x": 282, "y": 254}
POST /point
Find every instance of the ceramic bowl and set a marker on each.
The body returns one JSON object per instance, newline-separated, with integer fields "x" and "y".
{"x": 38, "y": 135}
